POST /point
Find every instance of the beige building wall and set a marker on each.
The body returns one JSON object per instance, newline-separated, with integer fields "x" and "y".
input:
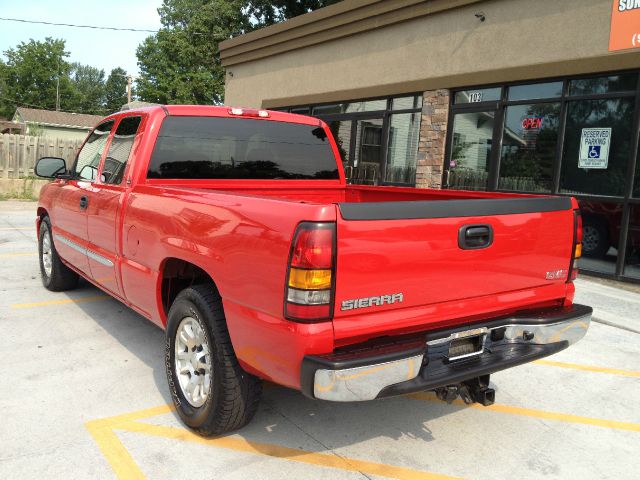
{"x": 298, "y": 62}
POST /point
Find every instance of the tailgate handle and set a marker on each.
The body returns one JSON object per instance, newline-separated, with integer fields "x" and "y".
{"x": 471, "y": 237}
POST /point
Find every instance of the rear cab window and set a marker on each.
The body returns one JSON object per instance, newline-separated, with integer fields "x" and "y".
{"x": 240, "y": 148}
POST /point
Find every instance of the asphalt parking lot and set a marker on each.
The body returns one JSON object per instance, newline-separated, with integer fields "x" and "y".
{"x": 84, "y": 395}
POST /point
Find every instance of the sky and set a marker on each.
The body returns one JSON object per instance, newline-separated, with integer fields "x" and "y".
{"x": 104, "y": 49}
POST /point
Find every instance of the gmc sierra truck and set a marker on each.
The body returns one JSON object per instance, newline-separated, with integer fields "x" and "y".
{"x": 235, "y": 231}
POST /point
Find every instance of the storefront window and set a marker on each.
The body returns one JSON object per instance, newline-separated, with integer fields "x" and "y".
{"x": 406, "y": 103}
{"x": 478, "y": 95}
{"x": 601, "y": 224}
{"x": 529, "y": 140}
{"x": 613, "y": 83}
{"x": 632, "y": 260}
{"x": 342, "y": 134}
{"x": 471, "y": 150}
{"x": 351, "y": 107}
{"x": 596, "y": 147}
{"x": 535, "y": 91}
{"x": 403, "y": 147}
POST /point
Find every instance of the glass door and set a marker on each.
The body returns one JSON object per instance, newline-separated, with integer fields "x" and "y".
{"x": 470, "y": 150}
{"x": 361, "y": 145}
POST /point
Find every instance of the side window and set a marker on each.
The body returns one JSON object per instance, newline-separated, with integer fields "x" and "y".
{"x": 119, "y": 150}
{"x": 89, "y": 157}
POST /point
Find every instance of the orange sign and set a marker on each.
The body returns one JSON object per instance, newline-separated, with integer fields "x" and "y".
{"x": 625, "y": 25}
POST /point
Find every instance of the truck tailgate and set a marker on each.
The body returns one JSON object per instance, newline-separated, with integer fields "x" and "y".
{"x": 398, "y": 255}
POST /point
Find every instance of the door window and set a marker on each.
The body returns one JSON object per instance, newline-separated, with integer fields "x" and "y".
{"x": 367, "y": 161}
{"x": 89, "y": 156}
{"x": 404, "y": 130}
{"x": 529, "y": 140}
{"x": 471, "y": 150}
{"x": 119, "y": 150}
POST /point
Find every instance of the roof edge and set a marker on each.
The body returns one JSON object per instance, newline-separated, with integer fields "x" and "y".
{"x": 329, "y": 23}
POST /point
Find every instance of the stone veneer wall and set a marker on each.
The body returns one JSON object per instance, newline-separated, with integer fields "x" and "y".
{"x": 433, "y": 134}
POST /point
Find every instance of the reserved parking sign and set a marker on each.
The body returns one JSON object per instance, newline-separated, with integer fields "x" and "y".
{"x": 594, "y": 148}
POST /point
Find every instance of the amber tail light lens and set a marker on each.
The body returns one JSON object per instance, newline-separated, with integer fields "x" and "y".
{"x": 577, "y": 246}
{"x": 309, "y": 289}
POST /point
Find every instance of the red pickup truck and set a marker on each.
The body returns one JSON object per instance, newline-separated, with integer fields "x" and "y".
{"x": 236, "y": 232}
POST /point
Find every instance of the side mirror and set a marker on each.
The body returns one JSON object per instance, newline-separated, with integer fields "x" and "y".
{"x": 88, "y": 172}
{"x": 51, "y": 167}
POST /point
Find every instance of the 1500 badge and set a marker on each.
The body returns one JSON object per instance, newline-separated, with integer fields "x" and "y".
{"x": 371, "y": 301}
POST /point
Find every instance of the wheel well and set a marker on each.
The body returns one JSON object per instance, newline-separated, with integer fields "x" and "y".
{"x": 177, "y": 275}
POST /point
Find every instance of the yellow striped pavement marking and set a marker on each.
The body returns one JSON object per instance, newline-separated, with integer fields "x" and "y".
{"x": 531, "y": 412}
{"x": 590, "y": 368}
{"x": 94, "y": 298}
{"x": 125, "y": 466}
{"x": 20, "y": 254}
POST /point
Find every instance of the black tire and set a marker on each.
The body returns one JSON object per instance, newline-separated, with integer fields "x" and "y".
{"x": 595, "y": 237}
{"x": 61, "y": 277}
{"x": 233, "y": 395}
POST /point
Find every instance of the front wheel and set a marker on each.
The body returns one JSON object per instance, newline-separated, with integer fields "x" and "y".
{"x": 56, "y": 276}
{"x": 211, "y": 391}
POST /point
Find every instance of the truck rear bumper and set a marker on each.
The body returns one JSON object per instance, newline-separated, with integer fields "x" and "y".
{"x": 444, "y": 357}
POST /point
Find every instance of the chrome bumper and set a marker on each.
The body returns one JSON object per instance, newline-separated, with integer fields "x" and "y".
{"x": 504, "y": 343}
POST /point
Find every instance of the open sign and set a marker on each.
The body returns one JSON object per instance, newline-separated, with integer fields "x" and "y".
{"x": 531, "y": 123}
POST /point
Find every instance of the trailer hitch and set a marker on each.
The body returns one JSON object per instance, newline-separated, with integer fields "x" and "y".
{"x": 475, "y": 390}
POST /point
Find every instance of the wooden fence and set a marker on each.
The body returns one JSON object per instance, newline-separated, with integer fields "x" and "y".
{"x": 18, "y": 153}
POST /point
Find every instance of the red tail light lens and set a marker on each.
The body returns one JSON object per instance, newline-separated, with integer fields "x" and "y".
{"x": 310, "y": 277}
{"x": 313, "y": 248}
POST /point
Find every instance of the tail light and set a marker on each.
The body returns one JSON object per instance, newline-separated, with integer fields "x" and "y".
{"x": 577, "y": 245}
{"x": 311, "y": 273}
{"x": 248, "y": 112}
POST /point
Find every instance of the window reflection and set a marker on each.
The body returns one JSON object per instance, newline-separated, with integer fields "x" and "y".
{"x": 529, "y": 142}
{"x": 632, "y": 259}
{"x": 611, "y": 180}
{"x": 612, "y": 83}
{"x": 403, "y": 148}
{"x": 471, "y": 150}
{"x": 601, "y": 225}
{"x": 535, "y": 90}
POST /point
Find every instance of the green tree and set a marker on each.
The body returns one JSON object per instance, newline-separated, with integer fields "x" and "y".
{"x": 181, "y": 63}
{"x": 267, "y": 13}
{"x": 31, "y": 73}
{"x": 88, "y": 85}
{"x": 115, "y": 95}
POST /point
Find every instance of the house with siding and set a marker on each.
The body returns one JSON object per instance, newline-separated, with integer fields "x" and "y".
{"x": 49, "y": 123}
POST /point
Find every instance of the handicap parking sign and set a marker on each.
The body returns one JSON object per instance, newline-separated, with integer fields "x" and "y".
{"x": 594, "y": 148}
{"x": 594, "y": 151}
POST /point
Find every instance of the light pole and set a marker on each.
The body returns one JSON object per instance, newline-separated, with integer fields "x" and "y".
{"x": 58, "y": 86}
{"x": 129, "y": 84}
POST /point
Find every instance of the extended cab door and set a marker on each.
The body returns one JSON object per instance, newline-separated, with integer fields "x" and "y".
{"x": 70, "y": 208}
{"x": 106, "y": 198}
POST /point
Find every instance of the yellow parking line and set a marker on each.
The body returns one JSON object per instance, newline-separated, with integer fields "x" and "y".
{"x": 530, "y": 412}
{"x": 21, "y": 254}
{"x": 60, "y": 302}
{"x": 589, "y": 368}
{"x": 125, "y": 467}
{"x": 115, "y": 452}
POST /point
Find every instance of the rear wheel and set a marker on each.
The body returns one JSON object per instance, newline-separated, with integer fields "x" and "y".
{"x": 210, "y": 390}
{"x": 56, "y": 276}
